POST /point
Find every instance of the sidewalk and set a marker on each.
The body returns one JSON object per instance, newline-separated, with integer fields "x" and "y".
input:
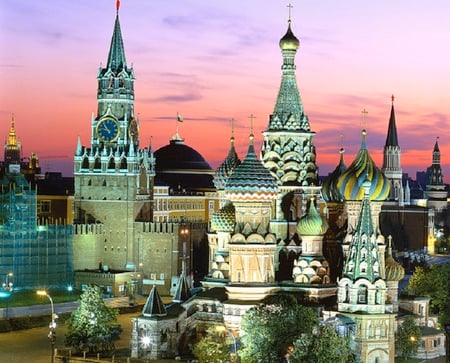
{"x": 61, "y": 308}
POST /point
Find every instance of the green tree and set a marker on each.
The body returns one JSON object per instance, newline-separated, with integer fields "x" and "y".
{"x": 407, "y": 339}
{"x": 93, "y": 325}
{"x": 268, "y": 330}
{"x": 212, "y": 348}
{"x": 324, "y": 345}
{"x": 434, "y": 282}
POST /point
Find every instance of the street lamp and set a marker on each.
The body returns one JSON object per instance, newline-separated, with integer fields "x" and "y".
{"x": 8, "y": 287}
{"x": 223, "y": 329}
{"x": 52, "y": 325}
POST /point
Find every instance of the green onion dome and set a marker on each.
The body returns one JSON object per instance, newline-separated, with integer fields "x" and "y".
{"x": 350, "y": 183}
{"x": 289, "y": 40}
{"x": 312, "y": 224}
{"x": 224, "y": 171}
{"x": 330, "y": 191}
{"x": 224, "y": 219}
{"x": 394, "y": 271}
{"x": 251, "y": 181}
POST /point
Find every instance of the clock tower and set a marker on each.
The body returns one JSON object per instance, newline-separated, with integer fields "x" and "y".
{"x": 113, "y": 175}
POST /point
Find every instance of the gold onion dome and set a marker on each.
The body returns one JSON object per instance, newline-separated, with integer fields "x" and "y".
{"x": 312, "y": 224}
{"x": 224, "y": 219}
{"x": 224, "y": 171}
{"x": 350, "y": 183}
{"x": 251, "y": 181}
{"x": 330, "y": 191}
{"x": 394, "y": 271}
{"x": 289, "y": 40}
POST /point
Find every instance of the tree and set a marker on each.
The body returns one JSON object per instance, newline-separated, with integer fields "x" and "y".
{"x": 322, "y": 346}
{"x": 408, "y": 338}
{"x": 93, "y": 325}
{"x": 270, "y": 329}
{"x": 212, "y": 348}
{"x": 433, "y": 281}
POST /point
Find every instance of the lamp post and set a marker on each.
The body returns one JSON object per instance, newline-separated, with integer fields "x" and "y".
{"x": 223, "y": 329}
{"x": 52, "y": 325}
{"x": 8, "y": 286}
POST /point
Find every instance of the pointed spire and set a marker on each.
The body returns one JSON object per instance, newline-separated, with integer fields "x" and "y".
{"x": 116, "y": 57}
{"x": 392, "y": 139}
{"x": 79, "y": 149}
{"x": 12, "y": 140}
{"x": 154, "y": 305}
{"x": 288, "y": 113}
{"x": 363, "y": 257}
{"x": 182, "y": 292}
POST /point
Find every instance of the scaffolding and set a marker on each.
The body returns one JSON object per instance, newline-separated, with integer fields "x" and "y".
{"x": 37, "y": 255}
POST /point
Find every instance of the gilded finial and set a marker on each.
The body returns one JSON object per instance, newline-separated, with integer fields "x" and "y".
{"x": 289, "y": 6}
{"x": 364, "y": 113}
{"x": 251, "y": 117}
{"x": 232, "y": 130}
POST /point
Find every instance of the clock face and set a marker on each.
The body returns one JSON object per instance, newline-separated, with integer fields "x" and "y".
{"x": 108, "y": 130}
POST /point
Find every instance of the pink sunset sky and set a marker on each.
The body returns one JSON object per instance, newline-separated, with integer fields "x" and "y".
{"x": 216, "y": 60}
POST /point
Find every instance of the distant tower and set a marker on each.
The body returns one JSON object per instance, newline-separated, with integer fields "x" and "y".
{"x": 362, "y": 292}
{"x": 12, "y": 148}
{"x": 435, "y": 193}
{"x": 288, "y": 151}
{"x": 392, "y": 168}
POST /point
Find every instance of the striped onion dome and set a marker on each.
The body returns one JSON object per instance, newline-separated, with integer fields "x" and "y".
{"x": 330, "y": 191}
{"x": 312, "y": 224}
{"x": 224, "y": 219}
{"x": 250, "y": 180}
{"x": 350, "y": 183}
{"x": 224, "y": 171}
{"x": 394, "y": 271}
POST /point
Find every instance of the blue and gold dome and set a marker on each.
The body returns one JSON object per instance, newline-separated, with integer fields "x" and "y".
{"x": 312, "y": 224}
{"x": 251, "y": 181}
{"x": 330, "y": 191}
{"x": 224, "y": 219}
{"x": 350, "y": 183}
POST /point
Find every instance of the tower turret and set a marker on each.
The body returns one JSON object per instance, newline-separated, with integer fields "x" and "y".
{"x": 436, "y": 193}
{"x": 392, "y": 168}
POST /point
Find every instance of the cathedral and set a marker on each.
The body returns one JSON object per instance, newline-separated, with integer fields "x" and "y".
{"x": 256, "y": 227}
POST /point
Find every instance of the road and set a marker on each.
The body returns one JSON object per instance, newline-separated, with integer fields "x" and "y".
{"x": 33, "y": 346}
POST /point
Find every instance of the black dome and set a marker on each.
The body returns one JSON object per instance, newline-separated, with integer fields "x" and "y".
{"x": 178, "y": 156}
{"x": 182, "y": 168}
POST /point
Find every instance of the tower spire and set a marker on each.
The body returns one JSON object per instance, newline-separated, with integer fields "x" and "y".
{"x": 392, "y": 168}
{"x": 116, "y": 57}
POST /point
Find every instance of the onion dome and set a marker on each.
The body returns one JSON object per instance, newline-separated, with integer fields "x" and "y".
{"x": 224, "y": 171}
{"x": 224, "y": 219}
{"x": 250, "y": 180}
{"x": 394, "y": 271}
{"x": 312, "y": 224}
{"x": 289, "y": 40}
{"x": 330, "y": 191}
{"x": 350, "y": 183}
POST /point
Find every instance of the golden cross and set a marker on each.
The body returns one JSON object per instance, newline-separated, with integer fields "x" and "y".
{"x": 251, "y": 117}
{"x": 290, "y": 8}
{"x": 364, "y": 113}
